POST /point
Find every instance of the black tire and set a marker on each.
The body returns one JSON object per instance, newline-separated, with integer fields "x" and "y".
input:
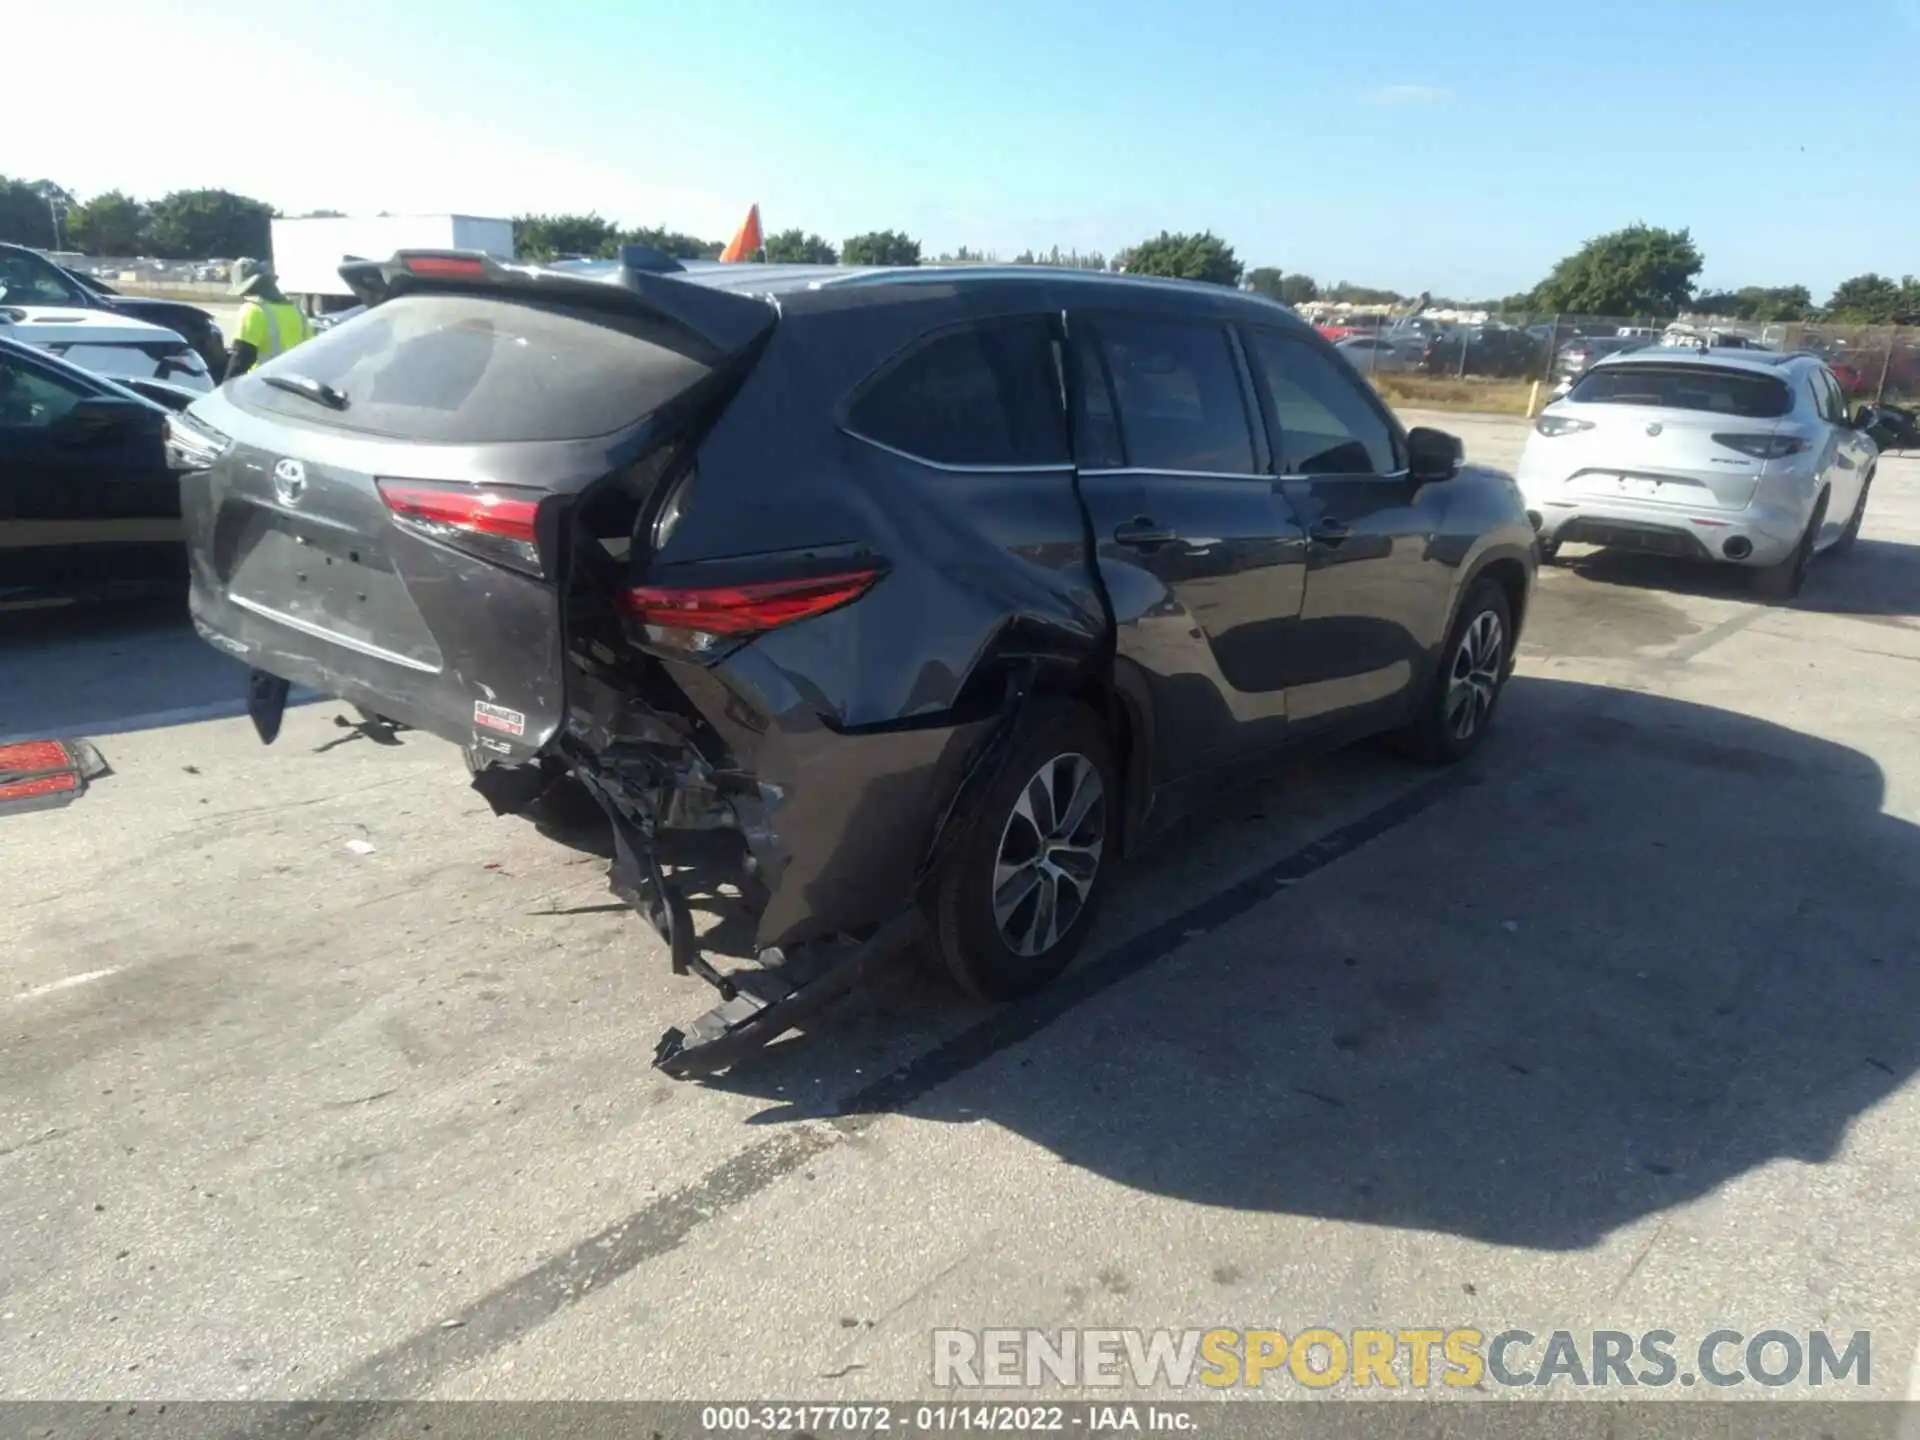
{"x": 1785, "y": 578}
{"x": 1549, "y": 551}
{"x": 1852, "y": 533}
{"x": 1437, "y": 735}
{"x": 970, "y": 939}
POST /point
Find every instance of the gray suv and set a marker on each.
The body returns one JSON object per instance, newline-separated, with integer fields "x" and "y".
{"x": 918, "y": 597}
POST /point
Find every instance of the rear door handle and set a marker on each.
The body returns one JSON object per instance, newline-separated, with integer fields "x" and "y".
{"x": 1331, "y": 532}
{"x": 1142, "y": 532}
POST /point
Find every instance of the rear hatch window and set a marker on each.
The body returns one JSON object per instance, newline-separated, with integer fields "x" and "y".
{"x": 474, "y": 370}
{"x": 1741, "y": 393}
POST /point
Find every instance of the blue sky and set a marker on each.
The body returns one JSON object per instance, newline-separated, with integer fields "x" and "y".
{"x": 1458, "y": 147}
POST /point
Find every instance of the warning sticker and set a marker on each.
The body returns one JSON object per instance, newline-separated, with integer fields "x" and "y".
{"x": 498, "y": 717}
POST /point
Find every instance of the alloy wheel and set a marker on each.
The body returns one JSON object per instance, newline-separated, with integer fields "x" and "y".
{"x": 1050, "y": 851}
{"x": 1474, "y": 677}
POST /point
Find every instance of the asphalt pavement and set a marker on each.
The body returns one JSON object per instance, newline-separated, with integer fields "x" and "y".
{"x": 318, "y": 1080}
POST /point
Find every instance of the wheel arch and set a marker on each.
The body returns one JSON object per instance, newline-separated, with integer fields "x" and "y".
{"x": 1512, "y": 570}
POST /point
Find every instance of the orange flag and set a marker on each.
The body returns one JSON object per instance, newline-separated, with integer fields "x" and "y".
{"x": 746, "y": 240}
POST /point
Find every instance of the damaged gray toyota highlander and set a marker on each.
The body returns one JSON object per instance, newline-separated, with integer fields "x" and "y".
{"x": 917, "y": 597}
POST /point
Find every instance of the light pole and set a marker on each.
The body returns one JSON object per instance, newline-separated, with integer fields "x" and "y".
{"x": 54, "y": 208}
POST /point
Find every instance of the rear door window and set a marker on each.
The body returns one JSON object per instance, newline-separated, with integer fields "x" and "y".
{"x": 1742, "y": 393}
{"x": 1826, "y": 389}
{"x": 31, "y": 398}
{"x": 984, "y": 396}
{"x": 1181, "y": 404}
{"x": 474, "y": 370}
{"x": 1326, "y": 425}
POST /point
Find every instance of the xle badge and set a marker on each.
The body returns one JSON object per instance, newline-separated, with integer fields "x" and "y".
{"x": 498, "y": 717}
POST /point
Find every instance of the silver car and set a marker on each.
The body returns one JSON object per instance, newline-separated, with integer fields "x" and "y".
{"x": 1742, "y": 456}
{"x": 1371, "y": 355}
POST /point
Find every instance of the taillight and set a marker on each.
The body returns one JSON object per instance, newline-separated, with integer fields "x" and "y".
{"x": 1552, "y": 425}
{"x": 39, "y": 772}
{"x": 1763, "y": 447}
{"x": 455, "y": 266}
{"x": 494, "y": 524}
{"x": 192, "y": 444}
{"x": 698, "y": 616}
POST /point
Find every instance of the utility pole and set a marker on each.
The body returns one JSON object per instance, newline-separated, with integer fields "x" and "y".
{"x": 53, "y": 210}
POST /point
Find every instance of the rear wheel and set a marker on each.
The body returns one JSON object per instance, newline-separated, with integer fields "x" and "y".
{"x": 1466, "y": 688}
{"x": 1852, "y": 533}
{"x": 1784, "y": 579}
{"x": 1015, "y": 897}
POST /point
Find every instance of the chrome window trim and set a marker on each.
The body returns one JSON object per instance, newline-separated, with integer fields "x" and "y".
{"x": 1050, "y": 467}
{"x": 1189, "y": 474}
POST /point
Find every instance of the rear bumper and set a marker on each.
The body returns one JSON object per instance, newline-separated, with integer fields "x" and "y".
{"x": 834, "y": 825}
{"x": 1767, "y": 533}
{"x": 432, "y": 701}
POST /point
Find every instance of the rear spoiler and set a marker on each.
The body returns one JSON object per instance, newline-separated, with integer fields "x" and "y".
{"x": 642, "y": 281}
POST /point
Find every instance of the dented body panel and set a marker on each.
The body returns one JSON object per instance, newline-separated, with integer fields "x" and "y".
{"x": 613, "y": 628}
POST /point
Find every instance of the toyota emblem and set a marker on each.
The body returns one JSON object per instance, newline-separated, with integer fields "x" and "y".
{"x": 289, "y": 481}
{"x": 1654, "y": 428}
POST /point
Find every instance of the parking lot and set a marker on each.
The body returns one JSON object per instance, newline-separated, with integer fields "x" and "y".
{"x": 319, "y": 1080}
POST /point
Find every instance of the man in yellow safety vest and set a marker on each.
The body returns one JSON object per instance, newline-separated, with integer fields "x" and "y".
{"x": 269, "y": 324}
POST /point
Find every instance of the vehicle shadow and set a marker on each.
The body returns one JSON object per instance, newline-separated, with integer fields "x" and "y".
{"x": 1880, "y": 577}
{"x": 110, "y": 668}
{"x": 1638, "y": 948}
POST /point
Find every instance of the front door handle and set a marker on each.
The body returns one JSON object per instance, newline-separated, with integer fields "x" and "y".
{"x": 1142, "y": 532}
{"x": 1331, "y": 532}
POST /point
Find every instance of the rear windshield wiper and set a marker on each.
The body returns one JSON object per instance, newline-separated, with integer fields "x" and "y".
{"x": 316, "y": 390}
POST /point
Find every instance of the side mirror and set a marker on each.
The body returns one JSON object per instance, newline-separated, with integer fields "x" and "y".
{"x": 1434, "y": 454}
{"x": 101, "y": 417}
{"x": 1865, "y": 417}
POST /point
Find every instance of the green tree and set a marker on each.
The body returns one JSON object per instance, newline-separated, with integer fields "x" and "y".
{"x": 1291, "y": 289}
{"x": 881, "y": 247}
{"x": 109, "y": 224}
{"x": 197, "y": 224}
{"x": 1640, "y": 270}
{"x": 672, "y": 242}
{"x": 1204, "y": 257}
{"x": 1872, "y": 299}
{"x": 542, "y": 237}
{"x": 1265, "y": 280}
{"x": 1345, "y": 292}
{"x": 25, "y": 216}
{"x": 1756, "y": 302}
{"x": 797, "y": 247}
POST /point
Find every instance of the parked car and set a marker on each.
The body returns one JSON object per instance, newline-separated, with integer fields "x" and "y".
{"x": 1577, "y": 355}
{"x": 1712, "y": 338}
{"x": 88, "y": 506}
{"x": 1741, "y": 456}
{"x": 28, "y": 278}
{"x": 1497, "y": 350}
{"x": 107, "y": 343}
{"x": 327, "y": 322}
{"x": 1371, "y": 355}
{"x": 829, "y": 564}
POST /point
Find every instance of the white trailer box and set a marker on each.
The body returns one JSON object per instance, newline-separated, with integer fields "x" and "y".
{"x": 308, "y": 254}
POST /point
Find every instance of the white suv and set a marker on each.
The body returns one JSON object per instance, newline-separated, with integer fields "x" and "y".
{"x": 1743, "y": 456}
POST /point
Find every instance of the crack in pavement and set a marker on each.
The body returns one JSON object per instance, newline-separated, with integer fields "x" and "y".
{"x": 409, "y": 1369}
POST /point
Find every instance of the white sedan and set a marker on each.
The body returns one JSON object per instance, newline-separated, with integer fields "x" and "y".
{"x": 117, "y": 346}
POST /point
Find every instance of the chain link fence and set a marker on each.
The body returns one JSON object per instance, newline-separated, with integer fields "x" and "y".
{"x": 1501, "y": 358}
